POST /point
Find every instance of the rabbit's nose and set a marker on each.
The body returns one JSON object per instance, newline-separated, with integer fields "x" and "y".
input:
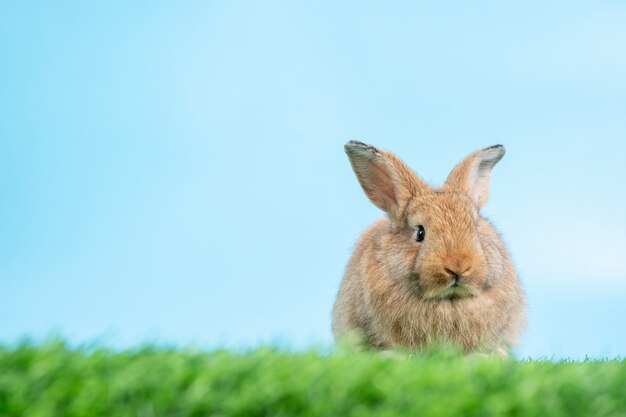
{"x": 456, "y": 274}
{"x": 456, "y": 266}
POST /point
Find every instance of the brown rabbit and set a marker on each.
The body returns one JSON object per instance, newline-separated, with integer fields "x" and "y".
{"x": 434, "y": 270}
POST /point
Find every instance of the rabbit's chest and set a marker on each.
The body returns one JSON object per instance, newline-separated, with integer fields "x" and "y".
{"x": 462, "y": 322}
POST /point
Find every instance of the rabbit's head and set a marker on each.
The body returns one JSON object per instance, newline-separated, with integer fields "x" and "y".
{"x": 438, "y": 242}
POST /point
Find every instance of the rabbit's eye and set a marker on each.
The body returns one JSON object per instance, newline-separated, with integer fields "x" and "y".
{"x": 421, "y": 233}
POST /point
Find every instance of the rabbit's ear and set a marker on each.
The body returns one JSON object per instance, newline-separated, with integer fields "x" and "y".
{"x": 471, "y": 175}
{"x": 387, "y": 181}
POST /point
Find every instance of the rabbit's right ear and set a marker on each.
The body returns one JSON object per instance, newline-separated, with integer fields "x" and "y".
{"x": 387, "y": 181}
{"x": 471, "y": 175}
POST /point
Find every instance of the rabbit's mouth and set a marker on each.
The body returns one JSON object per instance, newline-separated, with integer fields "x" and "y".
{"x": 452, "y": 291}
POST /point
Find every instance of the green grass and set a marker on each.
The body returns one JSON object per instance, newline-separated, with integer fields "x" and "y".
{"x": 54, "y": 380}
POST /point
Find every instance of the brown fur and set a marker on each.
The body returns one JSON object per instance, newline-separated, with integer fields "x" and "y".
{"x": 397, "y": 292}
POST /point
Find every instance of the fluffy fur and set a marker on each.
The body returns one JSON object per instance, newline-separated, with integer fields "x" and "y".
{"x": 456, "y": 286}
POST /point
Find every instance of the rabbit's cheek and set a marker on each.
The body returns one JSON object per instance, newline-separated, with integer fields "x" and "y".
{"x": 433, "y": 283}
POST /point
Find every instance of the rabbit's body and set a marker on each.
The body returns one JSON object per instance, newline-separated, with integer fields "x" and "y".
{"x": 457, "y": 285}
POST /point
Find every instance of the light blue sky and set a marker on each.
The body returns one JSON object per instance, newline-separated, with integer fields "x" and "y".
{"x": 175, "y": 173}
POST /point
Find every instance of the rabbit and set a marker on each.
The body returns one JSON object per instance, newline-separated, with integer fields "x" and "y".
{"x": 434, "y": 270}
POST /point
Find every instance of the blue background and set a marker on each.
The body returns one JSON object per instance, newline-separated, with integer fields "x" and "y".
{"x": 174, "y": 172}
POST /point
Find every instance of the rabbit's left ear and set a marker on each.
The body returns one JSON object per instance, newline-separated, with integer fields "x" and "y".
{"x": 387, "y": 181}
{"x": 471, "y": 175}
